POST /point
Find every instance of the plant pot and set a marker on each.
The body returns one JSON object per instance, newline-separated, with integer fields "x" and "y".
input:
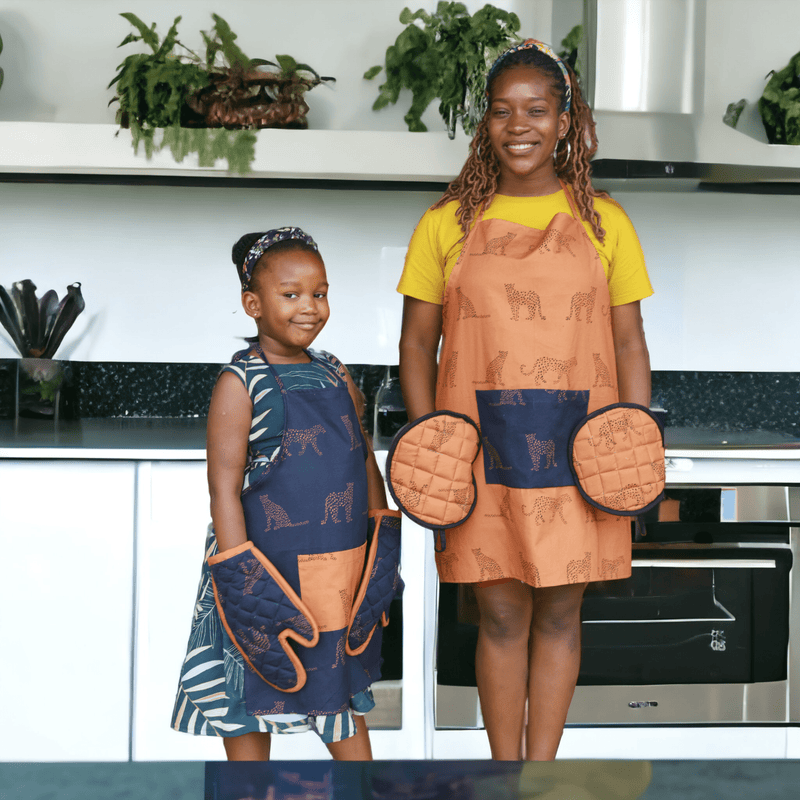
{"x": 45, "y": 389}
{"x": 247, "y": 99}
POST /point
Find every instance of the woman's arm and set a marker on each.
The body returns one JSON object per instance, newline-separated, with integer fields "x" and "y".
{"x": 419, "y": 345}
{"x": 630, "y": 348}
{"x": 229, "y": 417}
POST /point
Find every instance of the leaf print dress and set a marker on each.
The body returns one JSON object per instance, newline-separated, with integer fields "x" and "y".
{"x": 210, "y": 700}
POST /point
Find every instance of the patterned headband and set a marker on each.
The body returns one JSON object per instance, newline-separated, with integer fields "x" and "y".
{"x": 533, "y": 44}
{"x": 269, "y": 239}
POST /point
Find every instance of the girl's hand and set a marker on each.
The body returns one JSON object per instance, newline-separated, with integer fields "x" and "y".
{"x": 419, "y": 345}
{"x": 633, "y": 359}
{"x": 229, "y": 417}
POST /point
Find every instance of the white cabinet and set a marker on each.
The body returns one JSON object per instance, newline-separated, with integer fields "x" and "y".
{"x": 66, "y": 533}
{"x": 171, "y": 519}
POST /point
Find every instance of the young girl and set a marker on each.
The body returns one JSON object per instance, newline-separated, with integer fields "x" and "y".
{"x": 293, "y": 485}
{"x": 532, "y": 279}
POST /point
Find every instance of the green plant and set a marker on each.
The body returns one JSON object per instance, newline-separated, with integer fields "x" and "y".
{"x": 570, "y": 45}
{"x": 206, "y": 105}
{"x": 780, "y": 104}
{"x": 445, "y": 56}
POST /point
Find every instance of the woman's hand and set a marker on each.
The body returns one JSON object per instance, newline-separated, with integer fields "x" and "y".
{"x": 229, "y": 417}
{"x": 630, "y": 349}
{"x": 419, "y": 345}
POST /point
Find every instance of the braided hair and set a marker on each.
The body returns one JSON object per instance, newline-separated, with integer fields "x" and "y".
{"x": 476, "y": 184}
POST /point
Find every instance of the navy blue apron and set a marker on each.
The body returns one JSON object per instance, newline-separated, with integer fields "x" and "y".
{"x": 308, "y": 517}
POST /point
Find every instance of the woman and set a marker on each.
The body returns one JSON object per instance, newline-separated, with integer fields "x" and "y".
{"x": 531, "y": 279}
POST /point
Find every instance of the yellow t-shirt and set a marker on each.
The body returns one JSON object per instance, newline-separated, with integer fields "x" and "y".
{"x": 435, "y": 246}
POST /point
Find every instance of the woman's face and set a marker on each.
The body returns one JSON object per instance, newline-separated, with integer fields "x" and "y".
{"x": 524, "y": 128}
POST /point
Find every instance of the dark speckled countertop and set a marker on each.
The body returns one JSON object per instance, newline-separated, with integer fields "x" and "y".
{"x": 185, "y": 439}
{"x": 114, "y": 407}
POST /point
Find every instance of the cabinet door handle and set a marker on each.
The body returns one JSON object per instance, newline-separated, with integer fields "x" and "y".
{"x": 707, "y": 563}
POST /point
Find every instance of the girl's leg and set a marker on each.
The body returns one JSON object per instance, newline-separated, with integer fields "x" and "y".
{"x": 248, "y": 747}
{"x": 555, "y": 657}
{"x": 355, "y": 748}
{"x": 501, "y": 663}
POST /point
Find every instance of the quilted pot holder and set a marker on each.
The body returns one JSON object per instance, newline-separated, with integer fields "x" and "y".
{"x": 381, "y": 581}
{"x": 261, "y": 612}
{"x": 617, "y": 458}
{"x": 429, "y": 469}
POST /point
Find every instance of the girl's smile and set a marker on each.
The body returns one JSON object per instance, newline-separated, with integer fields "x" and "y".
{"x": 524, "y": 128}
{"x": 289, "y": 303}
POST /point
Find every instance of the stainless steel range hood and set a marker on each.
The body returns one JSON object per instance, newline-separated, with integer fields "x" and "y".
{"x": 645, "y": 80}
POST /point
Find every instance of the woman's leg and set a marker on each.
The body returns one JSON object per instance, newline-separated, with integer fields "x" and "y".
{"x": 501, "y": 663}
{"x": 247, "y": 747}
{"x": 555, "y": 658}
{"x": 354, "y": 748}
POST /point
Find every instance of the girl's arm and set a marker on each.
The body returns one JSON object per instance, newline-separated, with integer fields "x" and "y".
{"x": 419, "y": 345}
{"x": 229, "y": 417}
{"x": 630, "y": 348}
{"x": 376, "y": 494}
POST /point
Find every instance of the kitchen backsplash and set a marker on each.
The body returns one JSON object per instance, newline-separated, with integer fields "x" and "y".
{"x": 726, "y": 401}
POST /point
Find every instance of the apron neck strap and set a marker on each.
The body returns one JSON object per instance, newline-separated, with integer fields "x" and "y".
{"x": 571, "y": 200}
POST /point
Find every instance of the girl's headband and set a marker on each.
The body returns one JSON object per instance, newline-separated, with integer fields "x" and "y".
{"x": 263, "y": 244}
{"x": 533, "y": 44}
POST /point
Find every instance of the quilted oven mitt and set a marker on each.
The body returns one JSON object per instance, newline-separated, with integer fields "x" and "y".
{"x": 429, "y": 467}
{"x": 617, "y": 458}
{"x": 261, "y": 612}
{"x": 380, "y": 583}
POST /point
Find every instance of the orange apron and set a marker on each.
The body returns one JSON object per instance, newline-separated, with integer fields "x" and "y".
{"x": 527, "y": 352}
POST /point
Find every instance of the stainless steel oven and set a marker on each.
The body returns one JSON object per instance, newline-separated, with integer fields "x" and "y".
{"x": 698, "y": 634}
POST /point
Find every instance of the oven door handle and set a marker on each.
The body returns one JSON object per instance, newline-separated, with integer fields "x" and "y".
{"x": 708, "y": 563}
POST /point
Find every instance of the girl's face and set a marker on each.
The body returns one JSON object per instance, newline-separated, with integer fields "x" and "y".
{"x": 524, "y": 128}
{"x": 289, "y": 304}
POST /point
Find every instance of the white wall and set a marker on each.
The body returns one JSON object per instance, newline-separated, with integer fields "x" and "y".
{"x": 159, "y": 284}
{"x": 156, "y": 270}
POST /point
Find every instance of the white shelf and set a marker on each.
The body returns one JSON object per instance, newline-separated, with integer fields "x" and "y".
{"x": 331, "y": 155}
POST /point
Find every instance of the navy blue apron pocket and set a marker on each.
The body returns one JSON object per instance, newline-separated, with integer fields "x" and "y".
{"x": 261, "y": 613}
{"x": 380, "y": 583}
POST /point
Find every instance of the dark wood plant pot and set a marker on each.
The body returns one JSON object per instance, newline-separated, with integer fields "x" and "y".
{"x": 247, "y": 99}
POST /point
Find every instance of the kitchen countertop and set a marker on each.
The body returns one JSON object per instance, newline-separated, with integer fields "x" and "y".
{"x": 154, "y": 439}
{"x": 132, "y": 439}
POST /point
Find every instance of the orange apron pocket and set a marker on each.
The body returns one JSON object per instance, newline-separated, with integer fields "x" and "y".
{"x": 328, "y": 584}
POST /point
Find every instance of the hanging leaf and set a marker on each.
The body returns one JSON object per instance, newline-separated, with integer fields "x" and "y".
{"x": 147, "y": 35}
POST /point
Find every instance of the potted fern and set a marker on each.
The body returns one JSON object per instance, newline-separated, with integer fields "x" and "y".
{"x": 210, "y": 104}
{"x": 444, "y": 56}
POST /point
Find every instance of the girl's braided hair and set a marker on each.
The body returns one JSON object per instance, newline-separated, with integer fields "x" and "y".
{"x": 476, "y": 184}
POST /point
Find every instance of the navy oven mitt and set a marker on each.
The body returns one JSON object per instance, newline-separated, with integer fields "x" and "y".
{"x": 261, "y": 613}
{"x": 380, "y": 583}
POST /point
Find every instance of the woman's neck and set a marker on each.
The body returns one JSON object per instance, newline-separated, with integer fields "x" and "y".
{"x": 533, "y": 186}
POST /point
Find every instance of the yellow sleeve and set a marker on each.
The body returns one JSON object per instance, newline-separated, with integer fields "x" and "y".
{"x": 627, "y": 274}
{"x": 431, "y": 255}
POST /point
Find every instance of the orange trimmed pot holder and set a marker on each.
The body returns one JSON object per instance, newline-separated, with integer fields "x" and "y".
{"x": 617, "y": 458}
{"x": 429, "y": 470}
